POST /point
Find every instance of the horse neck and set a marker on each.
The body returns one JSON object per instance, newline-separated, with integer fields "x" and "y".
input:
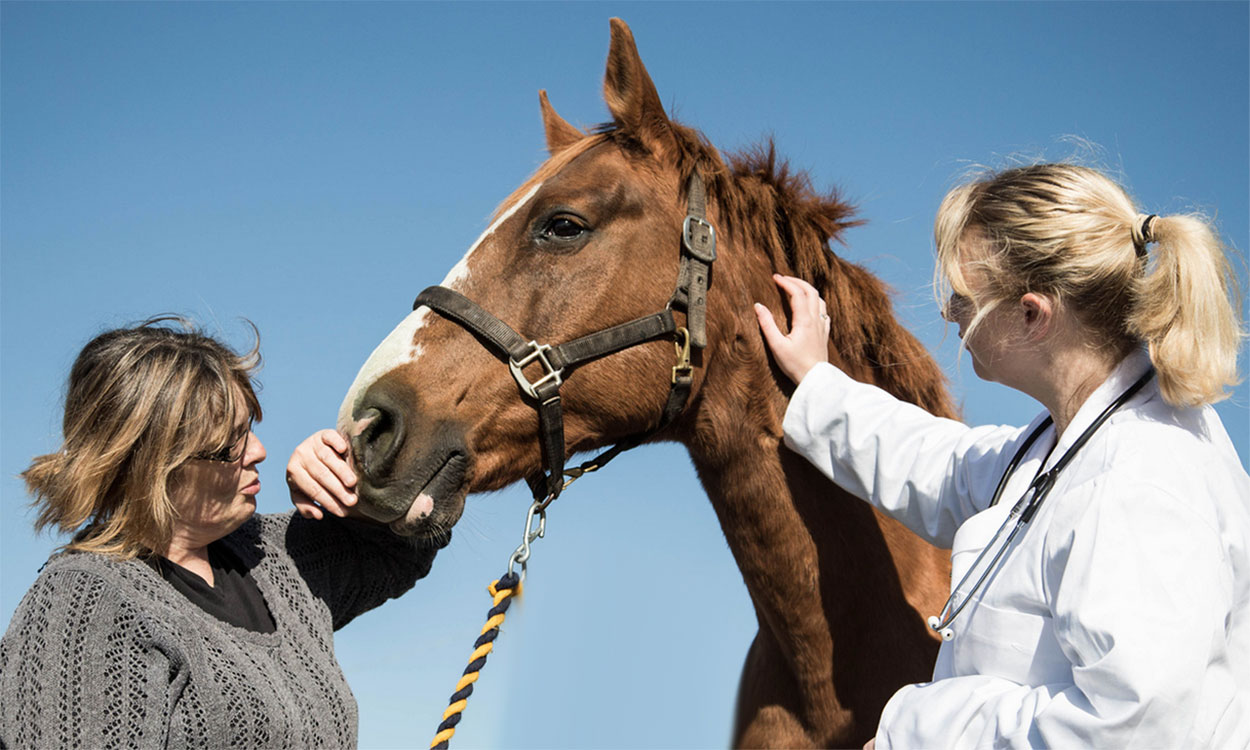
{"x": 838, "y": 590}
{"x": 794, "y": 533}
{"x": 821, "y": 565}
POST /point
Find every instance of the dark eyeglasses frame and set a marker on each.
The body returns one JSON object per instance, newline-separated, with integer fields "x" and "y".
{"x": 224, "y": 455}
{"x": 957, "y": 304}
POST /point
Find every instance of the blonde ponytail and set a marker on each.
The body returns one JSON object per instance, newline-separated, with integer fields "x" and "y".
{"x": 1185, "y": 309}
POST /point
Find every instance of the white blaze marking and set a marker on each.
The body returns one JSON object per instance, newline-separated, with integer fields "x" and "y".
{"x": 460, "y": 271}
{"x": 397, "y": 349}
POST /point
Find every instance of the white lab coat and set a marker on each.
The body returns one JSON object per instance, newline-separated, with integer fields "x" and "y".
{"x": 1119, "y": 617}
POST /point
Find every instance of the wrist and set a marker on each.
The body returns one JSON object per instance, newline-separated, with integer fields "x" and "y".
{"x": 802, "y": 371}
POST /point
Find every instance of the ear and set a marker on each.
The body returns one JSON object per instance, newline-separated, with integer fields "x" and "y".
{"x": 1039, "y": 314}
{"x": 560, "y": 134}
{"x": 630, "y": 95}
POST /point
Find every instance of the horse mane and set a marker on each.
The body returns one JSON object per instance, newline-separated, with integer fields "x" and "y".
{"x": 765, "y": 204}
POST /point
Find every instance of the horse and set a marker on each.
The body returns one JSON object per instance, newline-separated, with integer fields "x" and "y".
{"x": 595, "y": 240}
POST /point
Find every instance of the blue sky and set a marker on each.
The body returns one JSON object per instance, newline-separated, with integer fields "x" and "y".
{"x": 312, "y": 166}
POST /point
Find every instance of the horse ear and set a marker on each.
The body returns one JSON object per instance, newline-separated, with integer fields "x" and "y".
{"x": 630, "y": 95}
{"x": 560, "y": 134}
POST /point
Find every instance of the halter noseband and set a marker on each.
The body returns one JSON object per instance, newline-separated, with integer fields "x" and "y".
{"x": 698, "y": 252}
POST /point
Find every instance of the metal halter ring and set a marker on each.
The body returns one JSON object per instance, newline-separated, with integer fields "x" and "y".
{"x": 538, "y": 352}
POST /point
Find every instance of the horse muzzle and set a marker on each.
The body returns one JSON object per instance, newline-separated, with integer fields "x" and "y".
{"x": 412, "y": 471}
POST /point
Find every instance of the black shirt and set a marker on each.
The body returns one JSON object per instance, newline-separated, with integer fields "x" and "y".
{"x": 234, "y": 596}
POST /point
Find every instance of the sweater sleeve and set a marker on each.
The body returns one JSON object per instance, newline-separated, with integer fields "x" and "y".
{"x": 351, "y": 565}
{"x": 80, "y": 667}
{"x": 927, "y": 472}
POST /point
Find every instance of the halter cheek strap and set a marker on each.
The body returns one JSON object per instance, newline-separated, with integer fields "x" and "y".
{"x": 698, "y": 244}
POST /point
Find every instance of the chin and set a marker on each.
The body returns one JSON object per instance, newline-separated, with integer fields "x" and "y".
{"x": 245, "y": 509}
{"x": 434, "y": 522}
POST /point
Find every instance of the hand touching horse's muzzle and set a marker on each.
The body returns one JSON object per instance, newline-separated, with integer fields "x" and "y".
{"x": 412, "y": 470}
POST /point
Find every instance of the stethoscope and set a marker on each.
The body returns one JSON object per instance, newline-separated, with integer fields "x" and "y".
{"x": 1025, "y": 508}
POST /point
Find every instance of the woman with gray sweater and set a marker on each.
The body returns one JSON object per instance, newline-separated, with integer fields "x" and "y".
{"x": 176, "y": 617}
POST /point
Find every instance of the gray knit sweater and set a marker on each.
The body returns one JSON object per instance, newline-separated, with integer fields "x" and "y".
{"x": 102, "y": 653}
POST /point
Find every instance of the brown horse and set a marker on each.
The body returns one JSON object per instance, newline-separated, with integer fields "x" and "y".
{"x": 592, "y": 240}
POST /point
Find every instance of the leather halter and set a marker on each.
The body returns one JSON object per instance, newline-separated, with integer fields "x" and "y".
{"x": 698, "y": 242}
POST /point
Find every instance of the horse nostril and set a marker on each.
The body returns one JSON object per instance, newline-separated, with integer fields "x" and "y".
{"x": 377, "y": 440}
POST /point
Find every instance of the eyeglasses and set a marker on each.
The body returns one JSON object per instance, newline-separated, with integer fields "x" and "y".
{"x": 231, "y": 453}
{"x": 957, "y": 306}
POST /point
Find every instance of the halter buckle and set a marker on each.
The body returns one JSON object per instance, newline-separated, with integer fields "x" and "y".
{"x": 698, "y": 236}
{"x": 537, "y": 352}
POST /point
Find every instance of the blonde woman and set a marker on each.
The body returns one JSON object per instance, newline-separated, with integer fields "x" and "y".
{"x": 175, "y": 616}
{"x": 1101, "y": 554}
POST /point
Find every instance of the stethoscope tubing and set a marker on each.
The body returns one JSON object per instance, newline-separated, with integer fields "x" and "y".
{"x": 943, "y": 621}
{"x": 1025, "y": 508}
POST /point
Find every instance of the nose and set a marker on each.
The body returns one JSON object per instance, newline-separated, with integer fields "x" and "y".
{"x": 255, "y": 452}
{"x": 377, "y": 435}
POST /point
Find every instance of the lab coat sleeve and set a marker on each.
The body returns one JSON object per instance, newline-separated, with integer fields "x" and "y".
{"x": 1139, "y": 591}
{"x": 927, "y": 472}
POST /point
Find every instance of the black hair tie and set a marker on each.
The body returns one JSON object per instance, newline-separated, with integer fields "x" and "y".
{"x": 1144, "y": 234}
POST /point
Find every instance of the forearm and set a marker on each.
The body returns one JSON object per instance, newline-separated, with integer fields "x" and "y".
{"x": 355, "y": 565}
{"x": 902, "y": 459}
{"x": 985, "y": 711}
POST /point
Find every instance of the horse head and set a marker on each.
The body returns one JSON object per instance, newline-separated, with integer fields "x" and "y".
{"x": 592, "y": 240}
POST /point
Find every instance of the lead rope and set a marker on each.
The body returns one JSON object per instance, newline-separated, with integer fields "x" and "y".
{"x": 503, "y": 591}
{"x": 508, "y": 587}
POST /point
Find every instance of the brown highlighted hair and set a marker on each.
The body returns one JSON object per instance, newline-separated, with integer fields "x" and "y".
{"x": 140, "y": 402}
{"x": 1073, "y": 234}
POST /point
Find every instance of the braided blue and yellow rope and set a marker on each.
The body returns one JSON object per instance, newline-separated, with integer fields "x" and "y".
{"x": 503, "y": 592}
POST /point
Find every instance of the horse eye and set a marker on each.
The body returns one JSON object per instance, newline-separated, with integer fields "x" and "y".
{"x": 563, "y": 228}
